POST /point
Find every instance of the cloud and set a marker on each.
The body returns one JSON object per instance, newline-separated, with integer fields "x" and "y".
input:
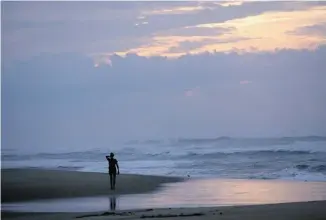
{"x": 32, "y": 28}
{"x": 254, "y": 29}
{"x": 188, "y": 46}
{"x": 248, "y": 34}
{"x": 176, "y": 10}
{"x": 311, "y": 30}
{"x": 195, "y": 31}
{"x": 92, "y": 76}
{"x": 98, "y": 61}
{"x": 230, "y": 3}
{"x": 243, "y": 82}
{"x": 62, "y": 100}
{"x": 192, "y": 92}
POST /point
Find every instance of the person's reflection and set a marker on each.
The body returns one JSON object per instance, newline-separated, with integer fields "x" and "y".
{"x": 113, "y": 203}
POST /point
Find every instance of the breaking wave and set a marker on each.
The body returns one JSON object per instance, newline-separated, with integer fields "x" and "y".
{"x": 226, "y": 157}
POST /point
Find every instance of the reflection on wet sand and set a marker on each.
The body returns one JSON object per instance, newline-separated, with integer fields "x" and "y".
{"x": 113, "y": 203}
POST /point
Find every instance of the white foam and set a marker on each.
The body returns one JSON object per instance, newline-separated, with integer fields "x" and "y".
{"x": 291, "y": 174}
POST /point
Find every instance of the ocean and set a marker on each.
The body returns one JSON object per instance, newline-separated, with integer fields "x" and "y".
{"x": 291, "y": 158}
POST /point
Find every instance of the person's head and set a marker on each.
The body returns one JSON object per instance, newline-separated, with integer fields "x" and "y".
{"x": 111, "y": 155}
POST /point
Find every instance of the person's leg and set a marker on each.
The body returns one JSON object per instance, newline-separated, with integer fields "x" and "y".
{"x": 111, "y": 180}
{"x": 113, "y": 177}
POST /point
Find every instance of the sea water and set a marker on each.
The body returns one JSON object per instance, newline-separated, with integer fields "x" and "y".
{"x": 295, "y": 158}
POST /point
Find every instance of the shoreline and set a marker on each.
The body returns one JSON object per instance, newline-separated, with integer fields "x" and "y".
{"x": 28, "y": 185}
{"x": 19, "y": 185}
{"x": 178, "y": 178}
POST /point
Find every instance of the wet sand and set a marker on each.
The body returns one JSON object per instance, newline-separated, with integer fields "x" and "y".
{"x": 29, "y": 184}
{"x": 34, "y": 184}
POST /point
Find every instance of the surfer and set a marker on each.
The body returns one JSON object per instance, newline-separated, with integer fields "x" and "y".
{"x": 113, "y": 168}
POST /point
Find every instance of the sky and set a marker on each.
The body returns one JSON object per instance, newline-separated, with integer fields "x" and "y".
{"x": 86, "y": 73}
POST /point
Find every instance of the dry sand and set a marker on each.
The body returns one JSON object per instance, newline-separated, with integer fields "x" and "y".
{"x": 286, "y": 211}
{"x": 33, "y": 184}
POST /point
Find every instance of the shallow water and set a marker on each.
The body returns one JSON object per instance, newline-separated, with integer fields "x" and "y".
{"x": 191, "y": 193}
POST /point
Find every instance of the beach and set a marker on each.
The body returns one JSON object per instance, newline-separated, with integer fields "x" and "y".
{"x": 35, "y": 184}
{"x": 25, "y": 185}
{"x": 287, "y": 211}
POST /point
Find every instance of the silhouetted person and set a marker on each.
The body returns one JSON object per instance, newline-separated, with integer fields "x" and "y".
{"x": 113, "y": 168}
{"x": 113, "y": 203}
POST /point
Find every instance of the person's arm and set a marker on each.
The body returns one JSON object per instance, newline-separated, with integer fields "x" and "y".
{"x": 117, "y": 166}
{"x": 107, "y": 158}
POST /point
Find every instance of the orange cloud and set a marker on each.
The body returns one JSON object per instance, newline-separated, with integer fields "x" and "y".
{"x": 229, "y": 3}
{"x": 265, "y": 32}
{"x": 176, "y": 10}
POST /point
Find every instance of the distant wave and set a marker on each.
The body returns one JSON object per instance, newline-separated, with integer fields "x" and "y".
{"x": 317, "y": 168}
{"x": 191, "y": 153}
{"x": 203, "y": 140}
{"x": 70, "y": 168}
{"x": 254, "y": 141}
{"x": 246, "y": 141}
{"x": 252, "y": 153}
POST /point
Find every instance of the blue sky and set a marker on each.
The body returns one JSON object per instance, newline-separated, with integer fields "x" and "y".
{"x": 86, "y": 73}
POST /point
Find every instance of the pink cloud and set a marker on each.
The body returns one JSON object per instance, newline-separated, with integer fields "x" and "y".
{"x": 189, "y": 93}
{"x": 102, "y": 61}
{"x": 243, "y": 82}
{"x": 192, "y": 92}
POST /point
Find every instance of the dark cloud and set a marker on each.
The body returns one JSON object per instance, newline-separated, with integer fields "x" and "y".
{"x": 185, "y": 46}
{"x": 218, "y": 14}
{"x": 318, "y": 29}
{"x": 196, "y": 31}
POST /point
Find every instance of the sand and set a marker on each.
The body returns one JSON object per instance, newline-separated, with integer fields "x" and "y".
{"x": 286, "y": 211}
{"x": 29, "y": 184}
{"x": 33, "y": 184}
